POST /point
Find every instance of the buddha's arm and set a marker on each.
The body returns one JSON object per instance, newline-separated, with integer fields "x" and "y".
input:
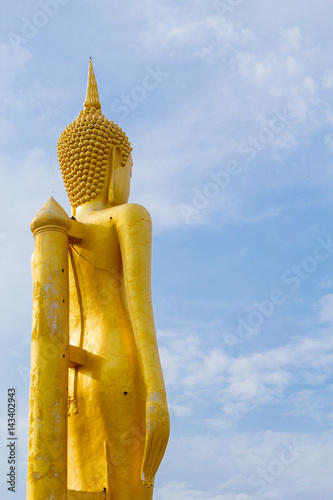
{"x": 134, "y": 230}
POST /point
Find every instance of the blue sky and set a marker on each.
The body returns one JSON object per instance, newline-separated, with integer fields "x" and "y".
{"x": 229, "y": 108}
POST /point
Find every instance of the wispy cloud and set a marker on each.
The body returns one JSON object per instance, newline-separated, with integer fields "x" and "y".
{"x": 242, "y": 385}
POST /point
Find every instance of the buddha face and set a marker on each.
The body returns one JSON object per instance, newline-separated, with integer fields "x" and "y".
{"x": 121, "y": 182}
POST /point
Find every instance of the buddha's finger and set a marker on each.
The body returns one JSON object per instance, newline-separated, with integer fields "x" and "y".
{"x": 146, "y": 455}
{"x": 160, "y": 456}
{"x": 150, "y": 457}
{"x": 153, "y": 466}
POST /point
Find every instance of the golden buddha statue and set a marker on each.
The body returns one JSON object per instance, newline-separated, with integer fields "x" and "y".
{"x": 118, "y": 421}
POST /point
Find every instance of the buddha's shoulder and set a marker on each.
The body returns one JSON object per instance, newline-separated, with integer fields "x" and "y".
{"x": 121, "y": 215}
{"x": 130, "y": 213}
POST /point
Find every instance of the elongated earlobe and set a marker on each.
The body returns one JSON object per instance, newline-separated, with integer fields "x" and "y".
{"x": 115, "y": 162}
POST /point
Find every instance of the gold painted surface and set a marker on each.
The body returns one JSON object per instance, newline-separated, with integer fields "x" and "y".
{"x": 84, "y": 148}
{"x": 82, "y": 495}
{"x": 75, "y": 232}
{"x": 76, "y": 356}
{"x": 118, "y": 424}
{"x": 47, "y": 460}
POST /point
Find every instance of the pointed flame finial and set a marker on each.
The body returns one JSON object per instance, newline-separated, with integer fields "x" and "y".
{"x": 92, "y": 97}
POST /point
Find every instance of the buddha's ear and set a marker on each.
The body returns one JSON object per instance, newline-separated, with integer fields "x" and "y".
{"x": 114, "y": 162}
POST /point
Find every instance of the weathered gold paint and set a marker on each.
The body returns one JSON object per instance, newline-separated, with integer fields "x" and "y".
{"x": 118, "y": 423}
{"x": 47, "y": 462}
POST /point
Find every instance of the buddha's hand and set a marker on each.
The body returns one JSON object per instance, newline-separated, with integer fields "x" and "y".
{"x": 157, "y": 434}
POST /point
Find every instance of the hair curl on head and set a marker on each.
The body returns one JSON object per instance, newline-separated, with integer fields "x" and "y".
{"x": 83, "y": 151}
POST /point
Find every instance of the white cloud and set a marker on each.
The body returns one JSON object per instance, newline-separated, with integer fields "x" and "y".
{"x": 324, "y": 308}
{"x": 329, "y": 142}
{"x": 207, "y": 33}
{"x": 8, "y": 132}
{"x": 180, "y": 411}
{"x": 13, "y": 64}
{"x": 253, "y": 68}
{"x": 291, "y": 65}
{"x": 183, "y": 491}
{"x": 313, "y": 404}
{"x": 325, "y": 283}
{"x": 327, "y": 79}
{"x": 267, "y": 465}
{"x": 244, "y": 384}
{"x": 292, "y": 38}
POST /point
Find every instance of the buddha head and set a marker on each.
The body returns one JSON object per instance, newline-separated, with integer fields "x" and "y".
{"x": 95, "y": 155}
